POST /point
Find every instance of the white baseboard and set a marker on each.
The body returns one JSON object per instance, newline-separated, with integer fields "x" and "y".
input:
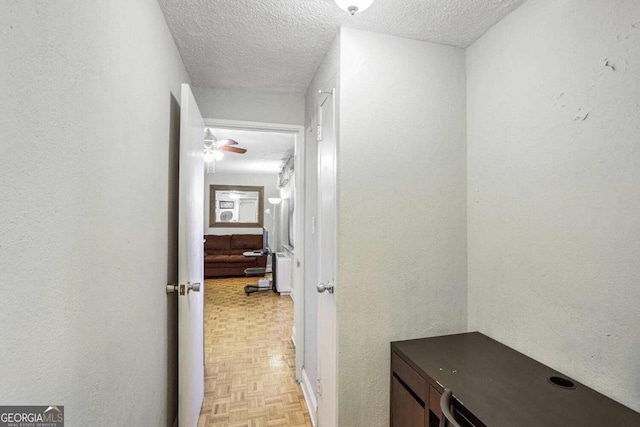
{"x": 293, "y": 335}
{"x": 310, "y": 398}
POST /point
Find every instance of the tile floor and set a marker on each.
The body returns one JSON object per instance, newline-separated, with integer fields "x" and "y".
{"x": 249, "y": 359}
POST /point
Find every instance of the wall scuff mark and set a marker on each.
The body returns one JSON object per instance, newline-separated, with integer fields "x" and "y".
{"x": 581, "y": 118}
{"x": 609, "y": 64}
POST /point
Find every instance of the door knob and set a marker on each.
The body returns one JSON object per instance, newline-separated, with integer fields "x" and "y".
{"x": 321, "y": 287}
{"x": 172, "y": 287}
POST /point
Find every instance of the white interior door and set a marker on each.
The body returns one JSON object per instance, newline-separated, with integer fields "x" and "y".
{"x": 327, "y": 250}
{"x": 190, "y": 262}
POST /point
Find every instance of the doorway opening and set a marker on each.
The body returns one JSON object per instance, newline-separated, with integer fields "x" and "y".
{"x": 254, "y": 342}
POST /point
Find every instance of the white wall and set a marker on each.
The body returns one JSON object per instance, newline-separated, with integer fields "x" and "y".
{"x": 324, "y": 78}
{"x": 252, "y": 106}
{"x": 88, "y": 135}
{"x": 402, "y": 259}
{"x": 554, "y": 188}
{"x": 268, "y": 181}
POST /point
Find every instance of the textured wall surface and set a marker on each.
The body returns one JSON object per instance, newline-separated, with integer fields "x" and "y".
{"x": 554, "y": 188}
{"x": 88, "y": 128}
{"x": 402, "y": 216}
{"x": 324, "y": 79}
{"x": 250, "y": 105}
{"x": 279, "y": 44}
{"x": 258, "y": 180}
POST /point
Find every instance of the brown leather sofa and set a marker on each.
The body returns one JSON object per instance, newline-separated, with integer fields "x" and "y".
{"x": 223, "y": 254}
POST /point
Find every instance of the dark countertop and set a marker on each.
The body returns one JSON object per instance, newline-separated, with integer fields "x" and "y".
{"x": 505, "y": 388}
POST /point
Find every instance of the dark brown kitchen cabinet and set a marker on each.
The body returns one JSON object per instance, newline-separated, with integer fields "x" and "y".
{"x": 493, "y": 386}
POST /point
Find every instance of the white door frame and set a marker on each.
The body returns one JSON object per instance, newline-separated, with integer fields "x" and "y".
{"x": 299, "y": 171}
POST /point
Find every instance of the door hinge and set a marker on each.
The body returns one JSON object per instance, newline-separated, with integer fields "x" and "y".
{"x": 318, "y": 387}
{"x": 319, "y": 133}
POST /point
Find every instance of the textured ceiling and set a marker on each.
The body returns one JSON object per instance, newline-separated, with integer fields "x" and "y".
{"x": 277, "y": 45}
{"x": 266, "y": 151}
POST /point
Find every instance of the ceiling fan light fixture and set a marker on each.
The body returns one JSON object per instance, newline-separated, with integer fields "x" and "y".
{"x": 354, "y": 6}
{"x": 208, "y": 135}
{"x": 217, "y": 154}
{"x": 208, "y": 156}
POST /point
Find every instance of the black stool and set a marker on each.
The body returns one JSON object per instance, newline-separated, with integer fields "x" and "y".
{"x": 256, "y": 272}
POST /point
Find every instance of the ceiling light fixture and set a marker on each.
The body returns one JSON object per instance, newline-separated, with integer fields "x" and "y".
{"x": 274, "y": 200}
{"x": 354, "y": 6}
{"x": 217, "y": 154}
{"x": 208, "y": 151}
{"x": 208, "y": 135}
{"x": 211, "y": 150}
{"x": 208, "y": 156}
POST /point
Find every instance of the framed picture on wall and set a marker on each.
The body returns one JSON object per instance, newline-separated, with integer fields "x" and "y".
{"x": 226, "y": 204}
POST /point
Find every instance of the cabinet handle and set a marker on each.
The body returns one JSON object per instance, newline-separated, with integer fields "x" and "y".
{"x": 447, "y": 419}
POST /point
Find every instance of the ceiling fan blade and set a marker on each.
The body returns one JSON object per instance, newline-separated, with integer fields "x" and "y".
{"x": 222, "y": 142}
{"x": 233, "y": 149}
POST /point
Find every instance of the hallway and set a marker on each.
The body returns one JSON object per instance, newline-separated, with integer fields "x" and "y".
{"x": 249, "y": 359}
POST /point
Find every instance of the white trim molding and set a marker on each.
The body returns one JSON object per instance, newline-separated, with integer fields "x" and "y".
{"x": 310, "y": 398}
{"x": 261, "y": 126}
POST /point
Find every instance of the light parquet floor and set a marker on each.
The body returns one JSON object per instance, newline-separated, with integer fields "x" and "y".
{"x": 249, "y": 359}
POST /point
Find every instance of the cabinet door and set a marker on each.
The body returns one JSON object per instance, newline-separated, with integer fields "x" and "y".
{"x": 434, "y": 411}
{"x": 406, "y": 411}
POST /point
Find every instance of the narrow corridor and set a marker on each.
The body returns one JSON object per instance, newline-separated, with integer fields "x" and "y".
{"x": 249, "y": 359}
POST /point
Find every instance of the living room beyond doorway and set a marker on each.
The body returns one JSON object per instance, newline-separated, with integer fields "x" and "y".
{"x": 253, "y": 351}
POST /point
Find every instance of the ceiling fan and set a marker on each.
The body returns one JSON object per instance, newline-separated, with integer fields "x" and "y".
{"x": 213, "y": 147}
